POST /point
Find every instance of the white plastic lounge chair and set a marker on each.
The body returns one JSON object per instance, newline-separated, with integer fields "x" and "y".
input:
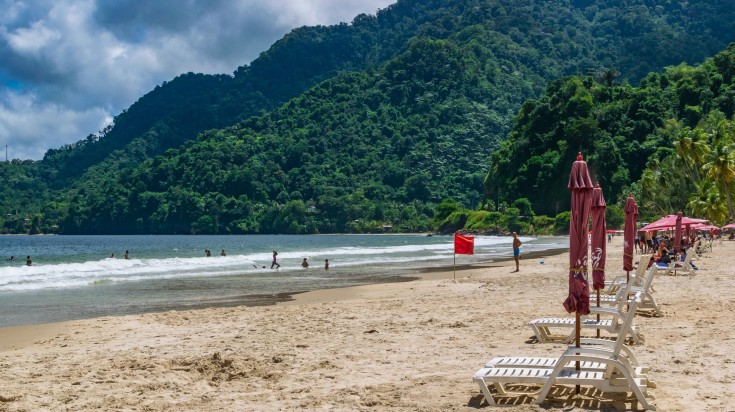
{"x": 542, "y": 327}
{"x": 607, "y": 368}
{"x": 646, "y": 288}
{"x": 684, "y": 267}
{"x": 612, "y": 286}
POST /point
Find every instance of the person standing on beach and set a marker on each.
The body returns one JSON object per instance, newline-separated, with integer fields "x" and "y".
{"x": 516, "y": 251}
{"x": 274, "y": 261}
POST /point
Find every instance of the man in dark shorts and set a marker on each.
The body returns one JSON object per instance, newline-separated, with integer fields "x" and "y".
{"x": 516, "y": 251}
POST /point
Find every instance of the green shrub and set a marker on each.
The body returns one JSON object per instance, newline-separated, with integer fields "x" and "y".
{"x": 561, "y": 223}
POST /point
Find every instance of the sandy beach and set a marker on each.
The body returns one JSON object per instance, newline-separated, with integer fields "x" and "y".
{"x": 402, "y": 346}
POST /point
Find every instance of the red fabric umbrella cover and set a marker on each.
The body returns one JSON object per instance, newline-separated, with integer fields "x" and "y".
{"x": 580, "y": 185}
{"x": 631, "y": 211}
{"x": 599, "y": 245}
{"x": 669, "y": 222}
{"x": 677, "y": 232}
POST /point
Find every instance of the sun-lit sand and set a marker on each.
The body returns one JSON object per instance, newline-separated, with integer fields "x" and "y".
{"x": 402, "y": 346}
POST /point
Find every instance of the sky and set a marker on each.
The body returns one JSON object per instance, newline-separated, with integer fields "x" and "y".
{"x": 67, "y": 67}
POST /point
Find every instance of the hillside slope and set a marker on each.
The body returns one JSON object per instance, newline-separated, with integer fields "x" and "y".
{"x": 508, "y": 50}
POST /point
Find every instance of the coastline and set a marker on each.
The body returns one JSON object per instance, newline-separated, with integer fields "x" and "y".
{"x": 19, "y": 336}
{"x": 396, "y": 346}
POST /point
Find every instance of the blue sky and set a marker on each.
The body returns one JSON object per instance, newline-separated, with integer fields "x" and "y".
{"x": 67, "y": 67}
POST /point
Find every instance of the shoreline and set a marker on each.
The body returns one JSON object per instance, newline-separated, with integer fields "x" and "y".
{"x": 391, "y": 346}
{"x": 19, "y": 336}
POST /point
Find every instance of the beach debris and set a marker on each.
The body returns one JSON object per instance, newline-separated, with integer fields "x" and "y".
{"x": 371, "y": 331}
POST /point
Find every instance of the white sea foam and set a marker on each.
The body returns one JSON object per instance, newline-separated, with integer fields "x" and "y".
{"x": 97, "y": 272}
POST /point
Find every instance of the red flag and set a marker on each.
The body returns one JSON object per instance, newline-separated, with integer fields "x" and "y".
{"x": 464, "y": 245}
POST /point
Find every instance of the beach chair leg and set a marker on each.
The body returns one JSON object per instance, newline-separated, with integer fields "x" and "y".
{"x": 485, "y": 391}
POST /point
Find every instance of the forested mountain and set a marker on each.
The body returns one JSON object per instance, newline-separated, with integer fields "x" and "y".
{"x": 404, "y": 109}
{"x": 668, "y": 141}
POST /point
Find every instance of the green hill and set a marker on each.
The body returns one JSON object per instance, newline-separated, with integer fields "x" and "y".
{"x": 415, "y": 101}
{"x": 668, "y": 141}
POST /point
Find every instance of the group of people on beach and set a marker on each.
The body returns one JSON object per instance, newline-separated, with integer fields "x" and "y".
{"x": 664, "y": 247}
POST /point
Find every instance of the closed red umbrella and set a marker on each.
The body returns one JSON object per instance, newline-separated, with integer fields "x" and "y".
{"x": 578, "y": 299}
{"x": 631, "y": 211}
{"x": 581, "y": 187}
{"x": 677, "y": 231}
{"x": 599, "y": 245}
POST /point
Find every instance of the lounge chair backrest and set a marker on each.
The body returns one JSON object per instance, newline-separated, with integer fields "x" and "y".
{"x": 627, "y": 324}
{"x": 688, "y": 256}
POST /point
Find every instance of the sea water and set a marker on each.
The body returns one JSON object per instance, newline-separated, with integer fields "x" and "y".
{"x": 75, "y": 277}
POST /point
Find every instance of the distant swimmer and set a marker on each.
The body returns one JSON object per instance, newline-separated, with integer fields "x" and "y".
{"x": 28, "y": 261}
{"x": 207, "y": 252}
{"x": 275, "y": 254}
{"x": 11, "y": 259}
{"x": 112, "y": 256}
{"x": 126, "y": 255}
{"x": 326, "y": 264}
{"x": 305, "y": 264}
{"x": 223, "y": 253}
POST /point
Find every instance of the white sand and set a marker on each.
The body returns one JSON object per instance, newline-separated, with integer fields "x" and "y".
{"x": 402, "y": 346}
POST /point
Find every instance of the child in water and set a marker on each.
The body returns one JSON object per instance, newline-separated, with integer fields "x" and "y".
{"x": 305, "y": 264}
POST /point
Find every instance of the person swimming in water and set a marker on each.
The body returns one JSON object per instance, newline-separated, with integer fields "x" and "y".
{"x": 305, "y": 264}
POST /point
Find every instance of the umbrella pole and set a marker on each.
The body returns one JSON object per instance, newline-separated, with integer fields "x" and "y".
{"x": 598, "y": 315}
{"x": 455, "y": 266}
{"x": 627, "y": 281}
{"x": 578, "y": 330}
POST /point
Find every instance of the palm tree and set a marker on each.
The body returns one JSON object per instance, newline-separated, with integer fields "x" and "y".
{"x": 706, "y": 202}
{"x": 720, "y": 168}
{"x": 691, "y": 148}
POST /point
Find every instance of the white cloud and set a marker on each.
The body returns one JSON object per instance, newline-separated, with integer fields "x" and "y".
{"x": 69, "y": 65}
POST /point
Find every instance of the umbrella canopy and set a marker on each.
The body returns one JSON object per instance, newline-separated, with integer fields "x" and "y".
{"x": 730, "y": 226}
{"x": 599, "y": 246}
{"x": 677, "y": 232}
{"x": 669, "y": 222}
{"x": 631, "y": 211}
{"x": 704, "y": 226}
{"x": 581, "y": 187}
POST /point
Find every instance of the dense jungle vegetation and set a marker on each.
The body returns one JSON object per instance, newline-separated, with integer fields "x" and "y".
{"x": 389, "y": 120}
{"x": 668, "y": 141}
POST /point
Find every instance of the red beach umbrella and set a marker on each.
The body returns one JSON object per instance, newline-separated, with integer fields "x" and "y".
{"x": 580, "y": 185}
{"x": 669, "y": 222}
{"x": 677, "y": 231}
{"x": 631, "y": 211}
{"x": 578, "y": 300}
{"x": 599, "y": 245}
